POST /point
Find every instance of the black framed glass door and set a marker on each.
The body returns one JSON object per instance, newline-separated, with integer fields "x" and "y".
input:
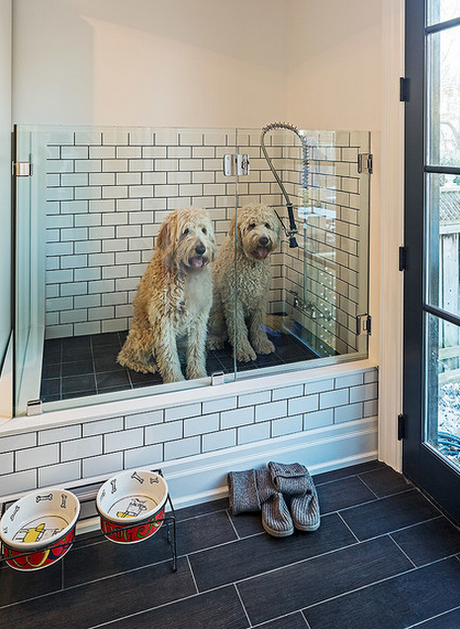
{"x": 432, "y": 240}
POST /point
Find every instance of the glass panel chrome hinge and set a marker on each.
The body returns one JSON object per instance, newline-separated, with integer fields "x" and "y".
{"x": 217, "y": 378}
{"x": 34, "y": 407}
{"x": 236, "y": 164}
{"x": 365, "y": 163}
{"x": 363, "y": 324}
{"x": 22, "y": 169}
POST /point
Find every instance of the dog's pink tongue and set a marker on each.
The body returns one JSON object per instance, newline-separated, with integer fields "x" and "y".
{"x": 263, "y": 252}
{"x": 197, "y": 262}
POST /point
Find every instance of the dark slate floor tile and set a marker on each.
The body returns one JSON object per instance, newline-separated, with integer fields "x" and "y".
{"x": 389, "y": 514}
{"x": 213, "y": 365}
{"x": 52, "y": 350}
{"x": 202, "y": 509}
{"x": 449, "y": 620}
{"x": 294, "y": 587}
{"x": 105, "y": 558}
{"x": 395, "y": 603}
{"x": 105, "y": 359}
{"x": 108, "y": 380}
{"x": 220, "y": 609}
{"x": 204, "y": 532}
{"x": 72, "y": 343}
{"x": 385, "y": 481}
{"x": 144, "y": 379}
{"x": 102, "y": 601}
{"x": 77, "y": 367}
{"x": 74, "y": 384}
{"x": 50, "y": 388}
{"x": 346, "y": 472}
{"x": 430, "y": 541}
{"x": 51, "y": 370}
{"x": 108, "y": 338}
{"x": 247, "y": 523}
{"x": 343, "y": 493}
{"x": 76, "y": 354}
{"x": 253, "y": 555}
{"x": 122, "y": 336}
{"x": 293, "y": 621}
{"x": 18, "y": 586}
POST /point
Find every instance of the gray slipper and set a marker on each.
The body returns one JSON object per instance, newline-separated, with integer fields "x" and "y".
{"x": 305, "y": 511}
{"x": 276, "y": 518}
{"x": 242, "y": 492}
{"x": 291, "y": 479}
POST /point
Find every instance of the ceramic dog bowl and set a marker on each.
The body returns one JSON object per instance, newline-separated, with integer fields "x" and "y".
{"x": 131, "y": 506}
{"x": 39, "y": 529}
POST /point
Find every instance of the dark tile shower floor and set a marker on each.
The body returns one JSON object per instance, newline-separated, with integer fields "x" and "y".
{"x": 86, "y": 365}
{"x": 383, "y": 558}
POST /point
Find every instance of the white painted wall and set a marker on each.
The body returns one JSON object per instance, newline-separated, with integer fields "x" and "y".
{"x": 335, "y": 63}
{"x": 205, "y": 63}
{"x": 149, "y": 62}
{"x": 5, "y": 173}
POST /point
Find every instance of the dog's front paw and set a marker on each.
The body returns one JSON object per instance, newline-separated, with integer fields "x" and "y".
{"x": 264, "y": 346}
{"x": 194, "y": 374}
{"x": 214, "y": 342}
{"x": 245, "y": 354}
{"x": 172, "y": 376}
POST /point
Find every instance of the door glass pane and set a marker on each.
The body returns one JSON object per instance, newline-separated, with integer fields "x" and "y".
{"x": 443, "y": 226}
{"x": 444, "y": 98}
{"x": 443, "y": 10}
{"x": 442, "y": 403}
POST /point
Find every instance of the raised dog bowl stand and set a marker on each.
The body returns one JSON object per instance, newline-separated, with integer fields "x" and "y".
{"x": 87, "y": 494}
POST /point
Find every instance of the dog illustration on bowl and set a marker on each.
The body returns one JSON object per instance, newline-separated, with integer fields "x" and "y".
{"x": 134, "y": 508}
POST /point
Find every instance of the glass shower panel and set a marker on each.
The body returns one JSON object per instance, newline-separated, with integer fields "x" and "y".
{"x": 97, "y": 204}
{"x": 88, "y": 219}
{"x": 29, "y": 274}
{"x": 319, "y": 288}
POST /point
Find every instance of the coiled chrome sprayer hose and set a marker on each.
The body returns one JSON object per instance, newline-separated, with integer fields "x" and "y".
{"x": 292, "y": 224}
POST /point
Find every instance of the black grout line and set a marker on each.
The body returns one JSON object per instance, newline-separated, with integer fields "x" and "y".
{"x": 349, "y": 528}
{"x": 232, "y": 524}
{"x": 242, "y": 604}
{"x": 366, "y": 485}
{"x": 403, "y": 551}
{"x": 197, "y": 591}
{"x": 305, "y": 618}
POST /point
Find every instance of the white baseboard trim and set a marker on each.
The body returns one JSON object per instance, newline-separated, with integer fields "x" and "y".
{"x": 203, "y": 478}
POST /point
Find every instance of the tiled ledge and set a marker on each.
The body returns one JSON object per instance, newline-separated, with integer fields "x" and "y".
{"x": 105, "y": 408}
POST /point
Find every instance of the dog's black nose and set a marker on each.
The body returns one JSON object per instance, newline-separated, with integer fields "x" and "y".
{"x": 200, "y": 249}
{"x": 263, "y": 240}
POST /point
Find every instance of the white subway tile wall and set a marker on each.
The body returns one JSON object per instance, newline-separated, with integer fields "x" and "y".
{"x": 82, "y": 451}
{"x": 109, "y": 190}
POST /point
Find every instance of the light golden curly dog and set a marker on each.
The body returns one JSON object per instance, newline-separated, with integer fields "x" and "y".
{"x": 243, "y": 324}
{"x": 173, "y": 299}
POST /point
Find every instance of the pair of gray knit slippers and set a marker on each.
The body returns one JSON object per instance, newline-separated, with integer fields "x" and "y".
{"x": 284, "y": 493}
